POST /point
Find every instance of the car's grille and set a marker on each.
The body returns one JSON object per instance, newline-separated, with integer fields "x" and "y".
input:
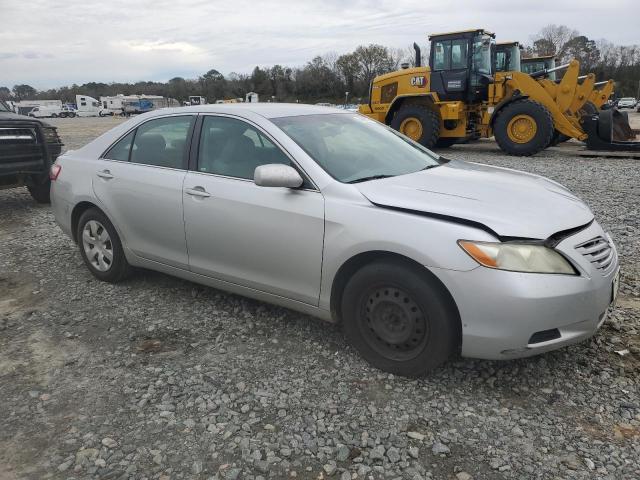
{"x": 20, "y": 150}
{"x": 17, "y": 135}
{"x": 599, "y": 252}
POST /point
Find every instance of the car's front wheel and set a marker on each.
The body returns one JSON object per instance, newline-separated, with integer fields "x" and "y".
{"x": 399, "y": 318}
{"x": 100, "y": 247}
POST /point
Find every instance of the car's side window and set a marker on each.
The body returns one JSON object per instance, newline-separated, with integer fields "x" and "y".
{"x": 234, "y": 148}
{"x": 162, "y": 142}
{"x": 120, "y": 151}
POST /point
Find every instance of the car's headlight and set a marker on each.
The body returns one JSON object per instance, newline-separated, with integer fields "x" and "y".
{"x": 517, "y": 257}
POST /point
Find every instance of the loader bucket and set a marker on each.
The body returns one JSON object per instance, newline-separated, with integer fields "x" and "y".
{"x": 610, "y": 130}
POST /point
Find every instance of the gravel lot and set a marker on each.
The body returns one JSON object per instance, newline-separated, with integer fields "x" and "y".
{"x": 159, "y": 378}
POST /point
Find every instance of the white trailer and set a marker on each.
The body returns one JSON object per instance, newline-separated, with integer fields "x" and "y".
{"x": 23, "y": 107}
{"x": 251, "y": 97}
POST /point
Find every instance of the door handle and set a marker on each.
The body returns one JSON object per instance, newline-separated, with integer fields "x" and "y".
{"x": 197, "y": 192}
{"x": 106, "y": 174}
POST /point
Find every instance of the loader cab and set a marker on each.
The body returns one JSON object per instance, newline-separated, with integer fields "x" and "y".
{"x": 536, "y": 64}
{"x": 462, "y": 65}
{"x": 508, "y": 57}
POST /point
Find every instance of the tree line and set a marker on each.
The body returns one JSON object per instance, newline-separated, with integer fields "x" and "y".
{"x": 329, "y": 77}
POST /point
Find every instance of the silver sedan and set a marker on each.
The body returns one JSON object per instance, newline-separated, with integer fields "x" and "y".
{"x": 335, "y": 215}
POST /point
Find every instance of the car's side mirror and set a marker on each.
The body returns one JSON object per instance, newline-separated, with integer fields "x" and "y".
{"x": 277, "y": 175}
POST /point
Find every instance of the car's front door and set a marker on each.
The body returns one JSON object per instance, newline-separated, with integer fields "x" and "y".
{"x": 269, "y": 239}
{"x": 139, "y": 182}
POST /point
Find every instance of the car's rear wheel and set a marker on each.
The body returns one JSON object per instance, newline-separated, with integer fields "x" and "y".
{"x": 100, "y": 247}
{"x": 399, "y": 318}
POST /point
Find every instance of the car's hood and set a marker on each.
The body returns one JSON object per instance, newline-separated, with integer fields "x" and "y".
{"x": 509, "y": 202}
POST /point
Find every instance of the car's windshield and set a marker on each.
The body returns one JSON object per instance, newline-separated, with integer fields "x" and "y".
{"x": 4, "y": 107}
{"x": 351, "y": 147}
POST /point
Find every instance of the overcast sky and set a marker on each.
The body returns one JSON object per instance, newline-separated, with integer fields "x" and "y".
{"x": 46, "y": 43}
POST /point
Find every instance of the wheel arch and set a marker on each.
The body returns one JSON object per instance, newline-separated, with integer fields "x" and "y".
{"x": 425, "y": 99}
{"x": 77, "y": 212}
{"x": 353, "y": 264}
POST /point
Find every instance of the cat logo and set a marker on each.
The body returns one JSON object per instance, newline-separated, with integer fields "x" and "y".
{"x": 418, "y": 81}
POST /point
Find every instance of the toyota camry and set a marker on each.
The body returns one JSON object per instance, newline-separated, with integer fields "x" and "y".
{"x": 329, "y": 213}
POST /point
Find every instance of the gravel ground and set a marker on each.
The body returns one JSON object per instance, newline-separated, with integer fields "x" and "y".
{"x": 159, "y": 378}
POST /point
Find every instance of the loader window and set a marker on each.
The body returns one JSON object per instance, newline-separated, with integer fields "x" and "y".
{"x": 442, "y": 56}
{"x": 458, "y": 54}
{"x": 450, "y": 54}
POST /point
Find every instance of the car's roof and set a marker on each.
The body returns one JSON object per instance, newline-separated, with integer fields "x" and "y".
{"x": 267, "y": 110}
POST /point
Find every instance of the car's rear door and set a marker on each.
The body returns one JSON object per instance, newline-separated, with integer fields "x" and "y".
{"x": 139, "y": 183}
{"x": 269, "y": 239}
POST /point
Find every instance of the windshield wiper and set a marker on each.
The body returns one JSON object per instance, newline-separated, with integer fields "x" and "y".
{"x": 372, "y": 177}
{"x": 429, "y": 166}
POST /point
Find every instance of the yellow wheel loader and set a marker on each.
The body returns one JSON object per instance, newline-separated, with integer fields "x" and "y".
{"x": 460, "y": 96}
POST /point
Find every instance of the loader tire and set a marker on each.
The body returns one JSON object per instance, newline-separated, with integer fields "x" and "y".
{"x": 419, "y": 123}
{"x": 523, "y": 128}
{"x": 558, "y": 138}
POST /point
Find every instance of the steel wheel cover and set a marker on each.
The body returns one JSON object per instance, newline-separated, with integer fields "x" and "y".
{"x": 392, "y": 323}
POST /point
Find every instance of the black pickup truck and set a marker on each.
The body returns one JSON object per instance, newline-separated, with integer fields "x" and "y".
{"x": 28, "y": 148}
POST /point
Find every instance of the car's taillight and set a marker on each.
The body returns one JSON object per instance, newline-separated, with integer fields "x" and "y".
{"x": 55, "y": 171}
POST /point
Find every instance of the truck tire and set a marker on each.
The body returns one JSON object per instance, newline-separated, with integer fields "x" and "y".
{"x": 399, "y": 318}
{"x": 41, "y": 192}
{"x": 419, "y": 123}
{"x": 523, "y": 128}
{"x": 72, "y": 114}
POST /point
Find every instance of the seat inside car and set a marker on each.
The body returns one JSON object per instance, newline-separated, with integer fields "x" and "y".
{"x": 149, "y": 149}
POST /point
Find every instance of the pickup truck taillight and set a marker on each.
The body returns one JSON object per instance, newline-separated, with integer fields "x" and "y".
{"x": 55, "y": 171}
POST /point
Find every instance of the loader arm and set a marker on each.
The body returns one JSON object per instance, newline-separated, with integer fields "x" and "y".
{"x": 583, "y": 93}
{"x": 600, "y": 96}
{"x": 567, "y": 86}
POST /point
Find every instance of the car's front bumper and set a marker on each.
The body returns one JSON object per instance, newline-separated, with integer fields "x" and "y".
{"x": 501, "y": 311}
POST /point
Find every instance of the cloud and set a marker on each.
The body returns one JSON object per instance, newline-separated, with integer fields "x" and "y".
{"x": 49, "y": 44}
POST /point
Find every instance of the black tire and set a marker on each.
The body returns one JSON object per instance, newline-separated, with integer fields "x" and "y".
{"x": 63, "y": 115}
{"x": 428, "y": 119}
{"x": 54, "y": 115}
{"x": 119, "y": 268}
{"x": 41, "y": 192}
{"x": 72, "y": 114}
{"x": 378, "y": 302}
{"x": 445, "y": 142}
{"x": 540, "y": 140}
{"x": 558, "y": 138}
{"x": 100, "y": 114}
